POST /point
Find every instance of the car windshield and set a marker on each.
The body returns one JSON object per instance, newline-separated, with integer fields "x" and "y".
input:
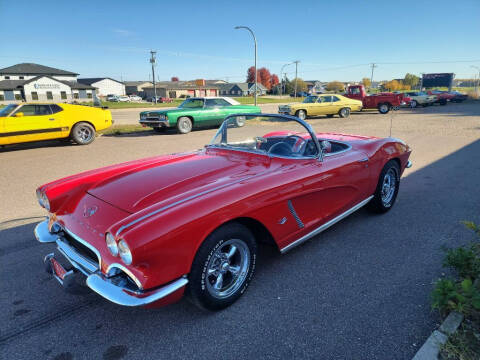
{"x": 310, "y": 99}
{"x": 272, "y": 135}
{"x": 7, "y": 110}
{"x": 192, "y": 103}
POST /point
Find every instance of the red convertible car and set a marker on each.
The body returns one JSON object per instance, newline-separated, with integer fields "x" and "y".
{"x": 145, "y": 232}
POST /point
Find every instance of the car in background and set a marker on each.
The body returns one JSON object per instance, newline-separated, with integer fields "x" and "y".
{"x": 420, "y": 98}
{"x": 35, "y": 121}
{"x": 123, "y": 98}
{"x": 148, "y": 231}
{"x": 458, "y": 97}
{"x": 300, "y": 94}
{"x": 195, "y": 112}
{"x": 442, "y": 96}
{"x": 135, "y": 98}
{"x": 112, "y": 98}
{"x": 152, "y": 99}
{"x": 325, "y": 104}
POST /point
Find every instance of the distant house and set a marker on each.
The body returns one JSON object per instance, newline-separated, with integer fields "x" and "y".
{"x": 137, "y": 87}
{"x": 182, "y": 89}
{"x": 242, "y": 89}
{"x": 314, "y": 86}
{"x": 105, "y": 85}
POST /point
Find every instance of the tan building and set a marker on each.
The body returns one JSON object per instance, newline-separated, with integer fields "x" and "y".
{"x": 181, "y": 89}
{"x": 137, "y": 87}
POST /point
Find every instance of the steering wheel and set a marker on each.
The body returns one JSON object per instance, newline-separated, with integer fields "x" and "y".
{"x": 298, "y": 146}
{"x": 280, "y": 148}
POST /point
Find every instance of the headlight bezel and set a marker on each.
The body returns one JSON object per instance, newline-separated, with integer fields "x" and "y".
{"x": 43, "y": 200}
{"x": 124, "y": 251}
{"x": 111, "y": 243}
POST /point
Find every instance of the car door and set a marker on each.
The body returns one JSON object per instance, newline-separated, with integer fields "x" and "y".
{"x": 336, "y": 104}
{"x": 323, "y": 105}
{"x": 32, "y": 122}
{"x": 213, "y": 112}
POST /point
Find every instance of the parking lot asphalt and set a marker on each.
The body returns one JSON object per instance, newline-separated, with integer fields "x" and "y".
{"x": 360, "y": 290}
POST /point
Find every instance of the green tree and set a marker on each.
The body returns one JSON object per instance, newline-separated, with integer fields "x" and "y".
{"x": 411, "y": 80}
{"x": 290, "y": 86}
{"x": 336, "y": 86}
{"x": 366, "y": 82}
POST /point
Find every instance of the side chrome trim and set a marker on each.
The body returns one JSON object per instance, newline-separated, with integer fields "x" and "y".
{"x": 126, "y": 271}
{"x": 325, "y": 226}
{"x": 295, "y": 215}
{"x": 121, "y": 296}
{"x": 146, "y": 216}
{"x": 80, "y": 240}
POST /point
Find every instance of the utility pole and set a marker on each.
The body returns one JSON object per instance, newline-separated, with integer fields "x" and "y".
{"x": 296, "y": 76}
{"x": 153, "y": 61}
{"x": 477, "y": 81}
{"x": 373, "y": 66}
{"x": 282, "y": 83}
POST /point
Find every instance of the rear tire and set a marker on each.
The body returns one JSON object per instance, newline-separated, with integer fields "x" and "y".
{"x": 301, "y": 114}
{"x": 223, "y": 267}
{"x": 387, "y": 188}
{"x": 384, "y": 108}
{"x": 443, "y": 102}
{"x": 344, "y": 112}
{"x": 184, "y": 125}
{"x": 83, "y": 133}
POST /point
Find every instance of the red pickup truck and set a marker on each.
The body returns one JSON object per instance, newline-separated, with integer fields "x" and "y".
{"x": 382, "y": 101}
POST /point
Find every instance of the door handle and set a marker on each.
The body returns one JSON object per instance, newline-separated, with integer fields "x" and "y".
{"x": 51, "y": 119}
{"x": 363, "y": 160}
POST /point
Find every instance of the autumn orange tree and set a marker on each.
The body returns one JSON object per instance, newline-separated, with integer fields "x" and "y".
{"x": 264, "y": 77}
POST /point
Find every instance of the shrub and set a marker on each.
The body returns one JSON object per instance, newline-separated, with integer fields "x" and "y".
{"x": 465, "y": 261}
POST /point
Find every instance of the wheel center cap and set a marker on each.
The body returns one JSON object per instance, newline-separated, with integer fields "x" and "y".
{"x": 224, "y": 266}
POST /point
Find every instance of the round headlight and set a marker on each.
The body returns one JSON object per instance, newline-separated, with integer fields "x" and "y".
{"x": 124, "y": 252}
{"x": 111, "y": 244}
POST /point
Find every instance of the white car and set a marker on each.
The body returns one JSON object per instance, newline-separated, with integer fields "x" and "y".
{"x": 112, "y": 98}
{"x": 123, "y": 98}
{"x": 135, "y": 98}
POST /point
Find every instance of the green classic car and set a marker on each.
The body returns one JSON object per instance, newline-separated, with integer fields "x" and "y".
{"x": 195, "y": 112}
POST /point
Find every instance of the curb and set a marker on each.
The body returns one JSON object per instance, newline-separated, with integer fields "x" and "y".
{"x": 431, "y": 348}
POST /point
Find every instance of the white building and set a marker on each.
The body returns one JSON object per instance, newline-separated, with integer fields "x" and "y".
{"x": 34, "y": 82}
{"x": 105, "y": 86}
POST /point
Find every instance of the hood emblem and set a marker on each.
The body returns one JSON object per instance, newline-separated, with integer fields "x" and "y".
{"x": 89, "y": 211}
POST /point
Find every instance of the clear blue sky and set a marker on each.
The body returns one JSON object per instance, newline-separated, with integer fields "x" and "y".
{"x": 334, "y": 40}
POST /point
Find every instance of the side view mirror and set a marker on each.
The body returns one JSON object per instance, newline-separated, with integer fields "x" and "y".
{"x": 19, "y": 114}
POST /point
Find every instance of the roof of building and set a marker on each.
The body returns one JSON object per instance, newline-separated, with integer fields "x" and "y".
{"x": 90, "y": 81}
{"x": 136, "y": 83}
{"x": 15, "y": 84}
{"x": 33, "y": 69}
{"x": 242, "y": 85}
{"x": 183, "y": 85}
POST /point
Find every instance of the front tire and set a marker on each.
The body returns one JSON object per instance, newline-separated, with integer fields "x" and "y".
{"x": 223, "y": 267}
{"x": 387, "y": 188}
{"x": 83, "y": 133}
{"x": 344, "y": 112}
{"x": 413, "y": 104}
{"x": 301, "y": 114}
{"x": 184, "y": 125}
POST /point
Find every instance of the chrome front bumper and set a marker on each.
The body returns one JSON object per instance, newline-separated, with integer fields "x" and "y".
{"x": 154, "y": 122}
{"x": 104, "y": 285}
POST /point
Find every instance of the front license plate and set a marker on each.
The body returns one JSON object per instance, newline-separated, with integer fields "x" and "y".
{"x": 57, "y": 268}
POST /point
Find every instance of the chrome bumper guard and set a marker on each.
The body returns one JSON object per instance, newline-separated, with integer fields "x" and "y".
{"x": 95, "y": 279}
{"x": 409, "y": 164}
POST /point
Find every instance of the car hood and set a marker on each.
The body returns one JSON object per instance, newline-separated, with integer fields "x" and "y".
{"x": 173, "y": 180}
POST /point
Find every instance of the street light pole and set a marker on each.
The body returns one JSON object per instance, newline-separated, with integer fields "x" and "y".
{"x": 281, "y": 72}
{"x": 255, "y": 41}
{"x": 153, "y": 59}
{"x": 296, "y": 76}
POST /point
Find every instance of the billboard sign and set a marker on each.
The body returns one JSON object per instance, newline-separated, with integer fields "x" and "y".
{"x": 437, "y": 80}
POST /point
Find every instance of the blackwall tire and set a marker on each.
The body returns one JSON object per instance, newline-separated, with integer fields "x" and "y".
{"x": 184, "y": 125}
{"x": 384, "y": 108}
{"x": 387, "y": 188}
{"x": 83, "y": 133}
{"x": 223, "y": 267}
{"x": 413, "y": 104}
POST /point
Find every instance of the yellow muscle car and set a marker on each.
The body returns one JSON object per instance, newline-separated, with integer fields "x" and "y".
{"x": 34, "y": 121}
{"x": 325, "y": 104}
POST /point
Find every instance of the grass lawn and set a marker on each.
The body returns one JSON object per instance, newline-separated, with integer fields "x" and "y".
{"x": 124, "y": 129}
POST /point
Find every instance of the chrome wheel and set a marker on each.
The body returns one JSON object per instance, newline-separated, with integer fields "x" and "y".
{"x": 184, "y": 125}
{"x": 84, "y": 133}
{"x": 384, "y": 108}
{"x": 301, "y": 114}
{"x": 388, "y": 187}
{"x": 227, "y": 268}
{"x": 413, "y": 104}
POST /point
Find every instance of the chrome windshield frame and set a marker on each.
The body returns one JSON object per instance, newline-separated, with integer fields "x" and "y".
{"x": 307, "y": 126}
